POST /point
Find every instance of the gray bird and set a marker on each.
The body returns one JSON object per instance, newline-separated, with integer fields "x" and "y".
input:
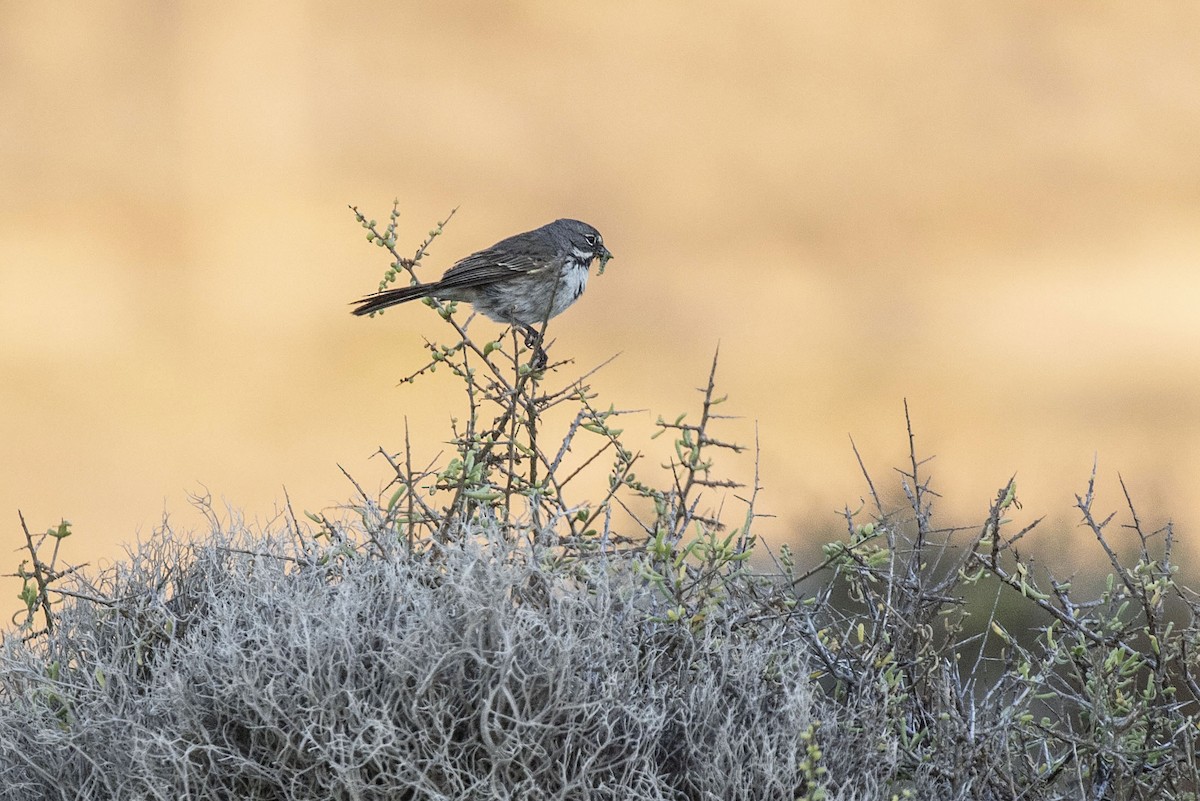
{"x": 522, "y": 281}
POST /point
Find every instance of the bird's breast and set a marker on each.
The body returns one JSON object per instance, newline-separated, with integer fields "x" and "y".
{"x": 573, "y": 281}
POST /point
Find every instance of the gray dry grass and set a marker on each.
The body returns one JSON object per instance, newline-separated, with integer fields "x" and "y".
{"x": 248, "y": 667}
{"x": 501, "y": 661}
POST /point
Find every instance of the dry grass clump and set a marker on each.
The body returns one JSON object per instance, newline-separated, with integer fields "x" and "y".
{"x": 242, "y": 666}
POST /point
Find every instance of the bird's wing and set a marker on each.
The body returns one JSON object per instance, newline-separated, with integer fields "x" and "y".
{"x": 506, "y": 259}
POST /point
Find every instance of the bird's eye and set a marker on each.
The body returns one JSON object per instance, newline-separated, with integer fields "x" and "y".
{"x": 591, "y": 240}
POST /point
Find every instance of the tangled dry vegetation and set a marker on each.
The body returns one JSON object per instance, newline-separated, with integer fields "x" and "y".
{"x": 480, "y": 630}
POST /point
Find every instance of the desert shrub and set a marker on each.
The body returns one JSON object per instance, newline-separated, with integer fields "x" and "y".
{"x": 477, "y": 670}
{"x": 488, "y": 627}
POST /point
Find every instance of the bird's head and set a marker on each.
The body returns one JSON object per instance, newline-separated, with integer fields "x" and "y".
{"x": 585, "y": 242}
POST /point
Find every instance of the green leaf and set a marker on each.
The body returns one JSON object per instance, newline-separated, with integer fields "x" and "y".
{"x": 28, "y": 596}
{"x": 396, "y": 496}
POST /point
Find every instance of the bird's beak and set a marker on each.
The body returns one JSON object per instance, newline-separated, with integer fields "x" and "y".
{"x": 604, "y": 255}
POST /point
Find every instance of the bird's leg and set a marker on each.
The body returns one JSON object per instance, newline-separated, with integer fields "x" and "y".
{"x": 533, "y": 341}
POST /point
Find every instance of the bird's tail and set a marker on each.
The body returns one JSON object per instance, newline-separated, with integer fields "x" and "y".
{"x": 390, "y": 297}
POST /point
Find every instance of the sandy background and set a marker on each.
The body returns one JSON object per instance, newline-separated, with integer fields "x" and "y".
{"x": 989, "y": 211}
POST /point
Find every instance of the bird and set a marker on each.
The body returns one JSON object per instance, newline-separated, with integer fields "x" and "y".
{"x": 521, "y": 281}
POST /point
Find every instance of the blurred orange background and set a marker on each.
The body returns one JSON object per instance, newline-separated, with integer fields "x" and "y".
{"x": 989, "y": 211}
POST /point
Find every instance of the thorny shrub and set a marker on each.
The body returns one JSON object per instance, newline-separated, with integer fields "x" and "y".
{"x": 484, "y": 629}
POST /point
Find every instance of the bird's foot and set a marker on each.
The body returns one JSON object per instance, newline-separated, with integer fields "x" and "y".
{"x": 533, "y": 341}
